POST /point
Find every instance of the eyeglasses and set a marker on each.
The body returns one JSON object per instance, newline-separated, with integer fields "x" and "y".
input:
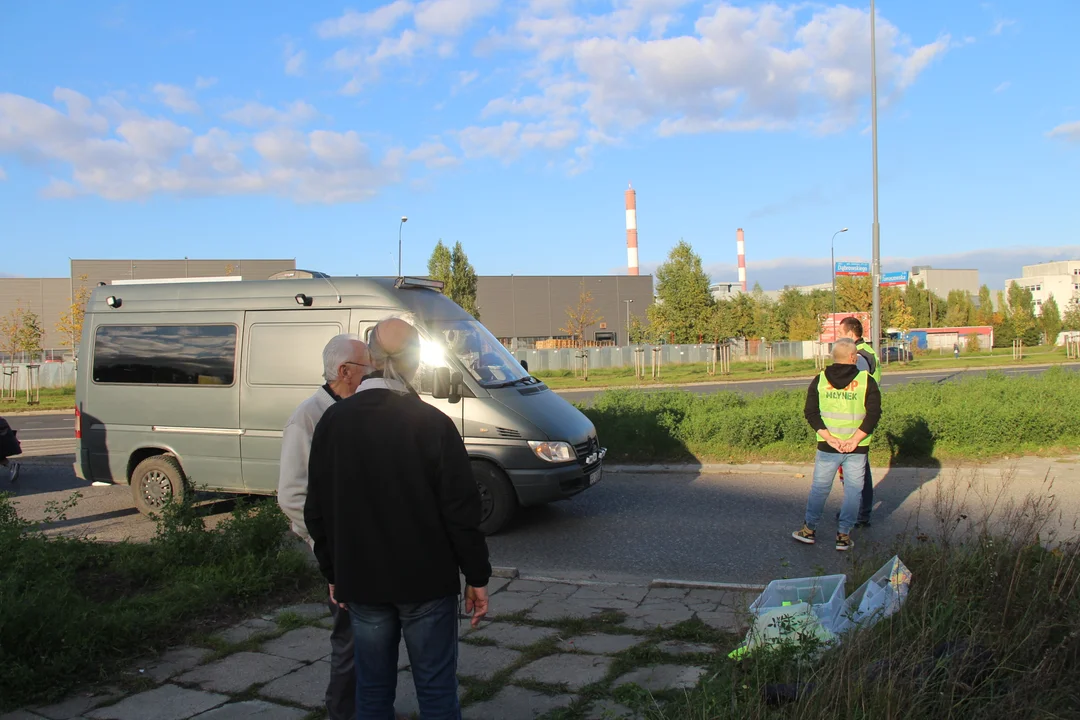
{"x": 347, "y": 362}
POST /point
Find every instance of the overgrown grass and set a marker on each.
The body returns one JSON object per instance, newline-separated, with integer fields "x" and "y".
{"x": 990, "y": 629}
{"x": 922, "y": 423}
{"x": 62, "y": 398}
{"x": 753, "y": 370}
{"x": 74, "y": 611}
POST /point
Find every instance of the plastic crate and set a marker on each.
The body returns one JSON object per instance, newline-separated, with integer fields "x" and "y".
{"x": 825, "y": 595}
{"x": 879, "y": 597}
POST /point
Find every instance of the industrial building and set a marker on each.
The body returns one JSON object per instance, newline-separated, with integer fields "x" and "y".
{"x": 942, "y": 281}
{"x": 1060, "y": 279}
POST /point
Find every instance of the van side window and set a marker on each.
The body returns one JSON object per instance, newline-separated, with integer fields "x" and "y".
{"x": 288, "y": 353}
{"x": 165, "y": 354}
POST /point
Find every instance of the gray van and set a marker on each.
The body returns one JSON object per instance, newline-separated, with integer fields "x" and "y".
{"x": 185, "y": 385}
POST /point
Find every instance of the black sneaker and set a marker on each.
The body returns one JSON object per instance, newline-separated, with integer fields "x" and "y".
{"x": 862, "y": 524}
{"x": 806, "y": 535}
{"x": 844, "y": 542}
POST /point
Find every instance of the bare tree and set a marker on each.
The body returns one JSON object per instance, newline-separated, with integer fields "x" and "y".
{"x": 579, "y": 318}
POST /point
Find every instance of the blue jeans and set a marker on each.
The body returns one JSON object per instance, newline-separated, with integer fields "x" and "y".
{"x": 825, "y": 468}
{"x": 431, "y": 635}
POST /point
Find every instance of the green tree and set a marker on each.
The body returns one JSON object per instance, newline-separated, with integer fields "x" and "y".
{"x": 639, "y": 331}
{"x": 960, "y": 311}
{"x": 902, "y": 319}
{"x": 684, "y": 304}
{"x": 1004, "y": 331}
{"x": 854, "y": 293}
{"x": 440, "y": 265}
{"x": 71, "y": 320}
{"x": 1022, "y": 314}
{"x": 1050, "y": 320}
{"x": 984, "y": 315}
{"x": 464, "y": 281}
{"x": 1071, "y": 319}
{"x": 31, "y": 334}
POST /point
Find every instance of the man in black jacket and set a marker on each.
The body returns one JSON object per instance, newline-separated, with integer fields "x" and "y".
{"x": 394, "y": 514}
{"x": 843, "y": 406}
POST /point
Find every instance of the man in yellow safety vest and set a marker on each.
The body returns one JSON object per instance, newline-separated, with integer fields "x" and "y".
{"x": 843, "y": 406}
{"x": 867, "y": 359}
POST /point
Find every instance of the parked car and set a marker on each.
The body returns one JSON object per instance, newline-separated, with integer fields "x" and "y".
{"x": 898, "y": 354}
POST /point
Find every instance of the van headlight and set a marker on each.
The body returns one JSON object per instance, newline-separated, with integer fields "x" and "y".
{"x": 553, "y": 451}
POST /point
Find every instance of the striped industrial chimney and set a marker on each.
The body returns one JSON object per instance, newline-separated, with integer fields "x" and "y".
{"x": 740, "y": 245}
{"x": 631, "y": 230}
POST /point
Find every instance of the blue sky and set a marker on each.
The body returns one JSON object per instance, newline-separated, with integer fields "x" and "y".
{"x": 274, "y": 129}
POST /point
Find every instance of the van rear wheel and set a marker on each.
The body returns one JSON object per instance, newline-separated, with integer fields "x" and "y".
{"x": 498, "y": 501}
{"x": 157, "y": 480}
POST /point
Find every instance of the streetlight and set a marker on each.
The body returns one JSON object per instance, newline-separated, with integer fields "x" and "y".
{"x": 400, "y": 225}
{"x": 628, "y": 321}
{"x": 875, "y": 269}
{"x": 832, "y": 257}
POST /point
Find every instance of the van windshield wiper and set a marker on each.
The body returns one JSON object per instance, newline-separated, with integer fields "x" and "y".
{"x": 528, "y": 379}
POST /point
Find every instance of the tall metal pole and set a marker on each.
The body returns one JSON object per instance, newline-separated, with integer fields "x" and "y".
{"x": 628, "y": 321}
{"x": 832, "y": 258}
{"x": 875, "y": 270}
{"x": 400, "y": 225}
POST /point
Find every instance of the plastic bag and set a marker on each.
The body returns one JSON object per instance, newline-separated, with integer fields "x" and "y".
{"x": 877, "y": 598}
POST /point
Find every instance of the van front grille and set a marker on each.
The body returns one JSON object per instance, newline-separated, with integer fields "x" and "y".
{"x": 508, "y": 433}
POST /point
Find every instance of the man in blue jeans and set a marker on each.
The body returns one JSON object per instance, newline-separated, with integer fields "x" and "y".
{"x": 843, "y": 406}
{"x": 394, "y": 513}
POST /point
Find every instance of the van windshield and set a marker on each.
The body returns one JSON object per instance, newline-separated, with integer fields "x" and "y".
{"x": 476, "y": 348}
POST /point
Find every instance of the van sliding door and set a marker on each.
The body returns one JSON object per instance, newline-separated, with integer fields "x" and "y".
{"x": 282, "y": 367}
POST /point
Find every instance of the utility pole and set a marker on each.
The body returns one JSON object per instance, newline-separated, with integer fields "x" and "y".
{"x": 875, "y": 269}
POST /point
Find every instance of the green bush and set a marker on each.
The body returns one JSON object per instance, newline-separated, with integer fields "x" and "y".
{"x": 74, "y": 611}
{"x": 968, "y": 418}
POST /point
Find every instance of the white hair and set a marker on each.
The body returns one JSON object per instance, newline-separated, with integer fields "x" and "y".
{"x": 843, "y": 349}
{"x": 337, "y": 351}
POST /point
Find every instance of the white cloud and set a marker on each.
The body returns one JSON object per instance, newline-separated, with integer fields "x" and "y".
{"x": 294, "y": 60}
{"x": 1067, "y": 131}
{"x": 433, "y": 155}
{"x": 1003, "y": 87}
{"x": 3, "y": 174}
{"x": 465, "y": 77}
{"x": 375, "y": 22}
{"x": 253, "y": 114}
{"x": 176, "y": 98}
{"x": 140, "y": 156}
{"x": 201, "y": 83}
{"x": 1000, "y": 25}
{"x": 451, "y": 17}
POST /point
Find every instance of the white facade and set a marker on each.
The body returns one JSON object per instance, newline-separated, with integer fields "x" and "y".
{"x": 1060, "y": 279}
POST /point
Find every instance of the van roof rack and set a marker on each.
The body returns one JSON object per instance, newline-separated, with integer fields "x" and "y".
{"x": 427, "y": 283}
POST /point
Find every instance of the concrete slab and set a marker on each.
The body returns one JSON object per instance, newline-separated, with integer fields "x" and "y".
{"x": 527, "y": 586}
{"x": 630, "y": 593}
{"x": 306, "y": 686}
{"x": 168, "y": 702}
{"x": 663, "y": 677}
{"x": 514, "y": 703}
{"x": 496, "y": 584}
{"x": 77, "y": 705}
{"x": 644, "y": 618}
{"x": 173, "y": 662}
{"x": 724, "y": 620}
{"x": 253, "y": 710}
{"x": 610, "y": 710}
{"x": 514, "y": 636}
{"x": 572, "y": 671}
{"x": 666, "y": 594}
{"x": 237, "y": 672}
{"x": 483, "y": 663}
{"x": 552, "y": 610}
{"x": 601, "y": 644}
{"x": 678, "y": 647}
{"x": 511, "y": 603}
{"x": 242, "y": 632}
{"x": 707, "y": 596}
{"x": 305, "y": 644}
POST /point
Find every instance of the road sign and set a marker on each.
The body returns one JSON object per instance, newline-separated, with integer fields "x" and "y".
{"x": 894, "y": 278}
{"x": 852, "y": 268}
{"x": 830, "y": 324}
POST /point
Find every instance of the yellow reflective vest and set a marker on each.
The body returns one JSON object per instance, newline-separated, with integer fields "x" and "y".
{"x": 877, "y": 362}
{"x": 844, "y": 409}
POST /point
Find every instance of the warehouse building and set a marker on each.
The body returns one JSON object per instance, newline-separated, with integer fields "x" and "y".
{"x": 1060, "y": 279}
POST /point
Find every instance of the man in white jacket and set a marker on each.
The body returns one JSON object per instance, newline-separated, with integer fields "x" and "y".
{"x": 345, "y": 363}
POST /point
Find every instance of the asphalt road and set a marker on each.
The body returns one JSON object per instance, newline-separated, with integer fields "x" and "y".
{"x": 890, "y": 379}
{"x": 62, "y": 426}
{"x": 723, "y": 528}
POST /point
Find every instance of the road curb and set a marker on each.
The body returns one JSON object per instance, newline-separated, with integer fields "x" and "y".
{"x": 595, "y": 580}
{"x": 701, "y": 585}
{"x": 12, "y": 412}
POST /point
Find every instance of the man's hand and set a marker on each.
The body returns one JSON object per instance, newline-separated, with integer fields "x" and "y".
{"x": 476, "y": 602}
{"x": 333, "y": 599}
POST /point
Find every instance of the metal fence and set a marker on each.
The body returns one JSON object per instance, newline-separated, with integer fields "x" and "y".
{"x": 623, "y": 357}
{"x": 50, "y": 374}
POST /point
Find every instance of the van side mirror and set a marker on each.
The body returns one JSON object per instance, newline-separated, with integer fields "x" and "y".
{"x": 446, "y": 385}
{"x": 525, "y": 365}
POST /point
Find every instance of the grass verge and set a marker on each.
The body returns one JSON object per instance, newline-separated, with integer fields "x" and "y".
{"x": 922, "y": 423}
{"x": 62, "y": 398}
{"x": 697, "y": 372}
{"x": 989, "y": 630}
{"x": 74, "y": 611}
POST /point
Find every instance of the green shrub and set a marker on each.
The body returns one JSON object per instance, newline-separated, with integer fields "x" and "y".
{"x": 968, "y": 418}
{"x": 74, "y": 611}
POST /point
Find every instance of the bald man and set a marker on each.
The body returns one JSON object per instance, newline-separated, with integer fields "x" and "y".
{"x": 394, "y": 513}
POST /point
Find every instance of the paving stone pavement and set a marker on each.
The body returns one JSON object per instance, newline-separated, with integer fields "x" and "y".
{"x": 541, "y": 633}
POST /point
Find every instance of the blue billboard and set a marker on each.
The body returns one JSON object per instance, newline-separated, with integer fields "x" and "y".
{"x": 852, "y": 268}
{"x": 895, "y": 278}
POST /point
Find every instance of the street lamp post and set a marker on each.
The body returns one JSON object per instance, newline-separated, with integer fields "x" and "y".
{"x": 875, "y": 270}
{"x": 400, "y": 225}
{"x": 832, "y": 258}
{"x": 628, "y": 321}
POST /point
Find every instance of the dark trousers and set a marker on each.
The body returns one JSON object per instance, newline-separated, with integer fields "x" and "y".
{"x": 431, "y": 636}
{"x": 866, "y": 504}
{"x": 341, "y": 692}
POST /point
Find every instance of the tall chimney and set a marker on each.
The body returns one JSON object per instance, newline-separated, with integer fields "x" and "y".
{"x": 740, "y": 245}
{"x": 631, "y": 230}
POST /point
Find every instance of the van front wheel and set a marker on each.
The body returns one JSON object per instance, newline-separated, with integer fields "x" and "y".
{"x": 498, "y": 502}
{"x": 155, "y": 481}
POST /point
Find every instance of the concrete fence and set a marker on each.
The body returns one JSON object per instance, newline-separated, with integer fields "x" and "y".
{"x": 620, "y": 357}
{"x": 50, "y": 375}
